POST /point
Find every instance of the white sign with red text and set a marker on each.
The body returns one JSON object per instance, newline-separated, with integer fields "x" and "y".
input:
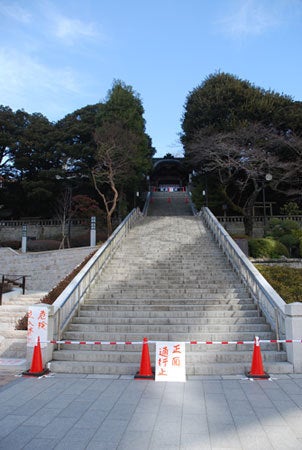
{"x": 170, "y": 364}
{"x": 37, "y": 325}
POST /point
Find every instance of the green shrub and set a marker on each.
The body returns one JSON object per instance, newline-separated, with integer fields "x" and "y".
{"x": 12, "y": 244}
{"x": 267, "y": 248}
{"x": 286, "y": 281}
{"x": 291, "y": 242}
{"x": 42, "y": 245}
{"x": 83, "y": 240}
{"x": 290, "y": 209}
{"x": 277, "y": 227}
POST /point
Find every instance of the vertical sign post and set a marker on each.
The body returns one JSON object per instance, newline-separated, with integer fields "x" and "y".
{"x": 37, "y": 325}
{"x": 170, "y": 362}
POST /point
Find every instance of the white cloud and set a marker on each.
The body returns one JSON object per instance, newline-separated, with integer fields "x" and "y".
{"x": 69, "y": 30}
{"x": 72, "y": 29}
{"x": 24, "y": 81}
{"x": 15, "y": 12}
{"x": 250, "y": 18}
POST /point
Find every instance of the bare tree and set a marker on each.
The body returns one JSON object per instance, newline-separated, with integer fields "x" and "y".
{"x": 115, "y": 152}
{"x": 63, "y": 213}
{"x": 241, "y": 159}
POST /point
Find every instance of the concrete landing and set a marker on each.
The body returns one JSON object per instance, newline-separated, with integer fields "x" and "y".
{"x": 86, "y": 412}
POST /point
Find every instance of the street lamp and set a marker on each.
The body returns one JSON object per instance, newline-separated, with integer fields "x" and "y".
{"x": 268, "y": 178}
{"x": 204, "y": 198}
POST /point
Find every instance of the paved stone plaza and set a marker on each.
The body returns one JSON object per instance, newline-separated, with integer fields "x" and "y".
{"x": 107, "y": 412}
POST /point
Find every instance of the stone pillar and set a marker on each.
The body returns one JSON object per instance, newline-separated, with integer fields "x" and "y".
{"x": 24, "y": 239}
{"x": 93, "y": 232}
{"x": 293, "y": 330}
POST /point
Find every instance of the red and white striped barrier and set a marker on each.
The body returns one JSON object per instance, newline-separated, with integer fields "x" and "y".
{"x": 265, "y": 341}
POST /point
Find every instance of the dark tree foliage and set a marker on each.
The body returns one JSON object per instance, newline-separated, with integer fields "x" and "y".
{"x": 239, "y": 133}
{"x": 7, "y": 138}
{"x": 224, "y": 102}
{"x": 40, "y": 160}
{"x": 74, "y": 138}
{"x": 29, "y": 163}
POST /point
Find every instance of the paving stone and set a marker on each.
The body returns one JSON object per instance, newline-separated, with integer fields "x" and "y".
{"x": 198, "y": 414}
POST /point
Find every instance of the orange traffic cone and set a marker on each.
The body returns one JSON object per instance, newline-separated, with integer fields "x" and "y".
{"x": 145, "y": 370}
{"x": 257, "y": 366}
{"x": 36, "y": 368}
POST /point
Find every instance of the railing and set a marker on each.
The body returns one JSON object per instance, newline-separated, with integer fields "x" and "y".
{"x": 71, "y": 298}
{"x": 15, "y": 280}
{"x": 146, "y": 205}
{"x": 41, "y": 222}
{"x": 266, "y": 298}
{"x": 256, "y": 219}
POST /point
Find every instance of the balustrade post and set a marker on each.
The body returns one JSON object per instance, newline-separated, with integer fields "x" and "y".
{"x": 293, "y": 330}
{"x": 93, "y": 232}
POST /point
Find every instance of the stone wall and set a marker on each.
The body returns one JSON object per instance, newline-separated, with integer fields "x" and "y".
{"x": 38, "y": 231}
{"x": 284, "y": 262}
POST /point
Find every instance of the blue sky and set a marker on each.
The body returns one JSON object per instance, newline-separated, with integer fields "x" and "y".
{"x": 57, "y": 56}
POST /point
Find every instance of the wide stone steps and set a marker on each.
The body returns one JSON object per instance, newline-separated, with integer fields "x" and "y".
{"x": 209, "y": 279}
{"x": 166, "y": 293}
{"x": 107, "y": 356}
{"x": 126, "y": 368}
{"x": 156, "y": 306}
{"x": 165, "y": 335}
{"x": 179, "y": 285}
{"x": 200, "y": 321}
{"x": 172, "y": 314}
{"x": 121, "y": 348}
{"x": 178, "y": 289}
{"x": 207, "y": 303}
{"x": 168, "y": 281}
{"x": 169, "y": 328}
{"x": 196, "y": 369}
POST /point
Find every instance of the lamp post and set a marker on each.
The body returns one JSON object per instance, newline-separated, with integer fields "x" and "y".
{"x": 224, "y": 208}
{"x": 204, "y": 198}
{"x": 206, "y": 187}
{"x": 268, "y": 178}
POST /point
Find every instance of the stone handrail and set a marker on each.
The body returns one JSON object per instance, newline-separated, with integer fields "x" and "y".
{"x": 71, "y": 298}
{"x": 285, "y": 319}
{"x": 266, "y": 298}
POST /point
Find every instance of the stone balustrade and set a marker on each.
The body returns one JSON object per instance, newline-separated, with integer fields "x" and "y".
{"x": 285, "y": 320}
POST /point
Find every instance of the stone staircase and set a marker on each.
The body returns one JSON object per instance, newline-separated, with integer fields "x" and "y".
{"x": 46, "y": 269}
{"x": 13, "y": 342}
{"x": 168, "y": 281}
{"x": 169, "y": 204}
